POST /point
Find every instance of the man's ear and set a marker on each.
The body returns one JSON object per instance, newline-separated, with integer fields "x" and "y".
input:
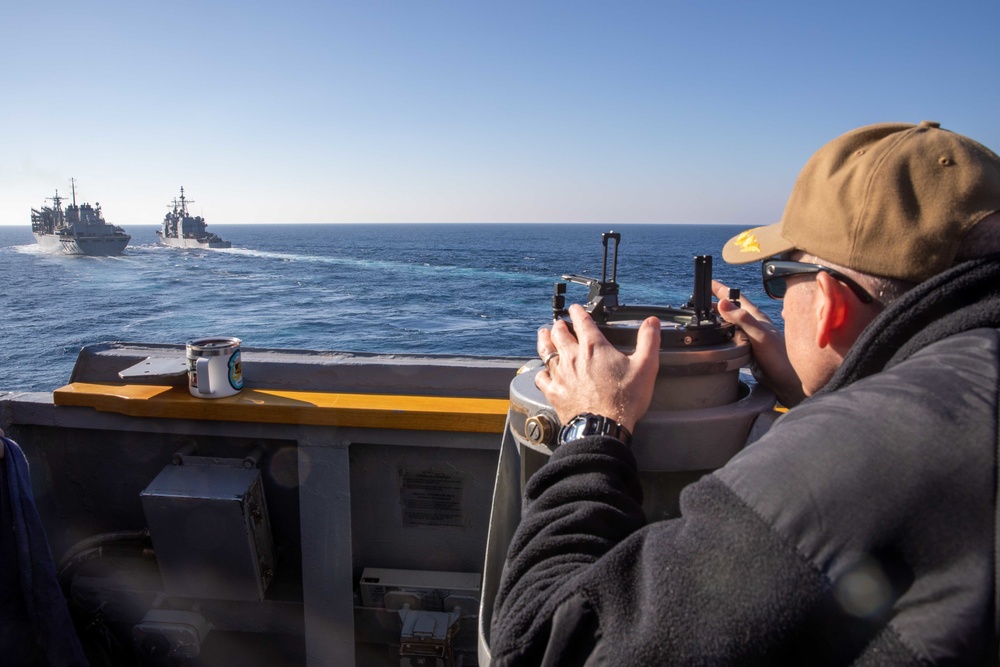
{"x": 833, "y": 312}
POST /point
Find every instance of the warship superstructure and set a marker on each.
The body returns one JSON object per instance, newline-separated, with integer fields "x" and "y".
{"x": 77, "y": 230}
{"x": 183, "y": 230}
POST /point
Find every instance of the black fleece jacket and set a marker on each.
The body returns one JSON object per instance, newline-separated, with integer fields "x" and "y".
{"x": 861, "y": 529}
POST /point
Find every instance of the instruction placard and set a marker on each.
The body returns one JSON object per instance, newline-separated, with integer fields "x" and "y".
{"x": 431, "y": 498}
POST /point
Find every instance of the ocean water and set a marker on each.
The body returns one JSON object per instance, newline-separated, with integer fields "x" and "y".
{"x": 478, "y": 289}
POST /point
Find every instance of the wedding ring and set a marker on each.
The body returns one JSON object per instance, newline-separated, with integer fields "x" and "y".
{"x": 549, "y": 357}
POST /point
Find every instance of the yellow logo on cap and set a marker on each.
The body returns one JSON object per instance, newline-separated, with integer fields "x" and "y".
{"x": 747, "y": 242}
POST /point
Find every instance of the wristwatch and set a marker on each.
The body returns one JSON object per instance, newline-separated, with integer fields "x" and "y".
{"x": 591, "y": 424}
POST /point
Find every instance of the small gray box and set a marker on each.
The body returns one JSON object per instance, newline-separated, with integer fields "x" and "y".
{"x": 430, "y": 587}
{"x": 210, "y": 531}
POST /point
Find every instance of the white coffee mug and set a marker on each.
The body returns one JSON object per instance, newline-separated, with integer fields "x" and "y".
{"x": 215, "y": 369}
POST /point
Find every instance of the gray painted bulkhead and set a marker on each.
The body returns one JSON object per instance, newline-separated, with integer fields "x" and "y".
{"x": 335, "y": 495}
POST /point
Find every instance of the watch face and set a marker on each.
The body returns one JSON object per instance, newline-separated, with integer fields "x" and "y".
{"x": 588, "y": 424}
{"x": 578, "y": 427}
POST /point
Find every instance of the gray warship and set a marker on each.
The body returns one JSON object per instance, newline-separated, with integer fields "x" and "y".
{"x": 77, "y": 230}
{"x": 182, "y": 230}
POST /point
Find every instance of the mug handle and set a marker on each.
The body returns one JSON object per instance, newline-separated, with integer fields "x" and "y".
{"x": 204, "y": 383}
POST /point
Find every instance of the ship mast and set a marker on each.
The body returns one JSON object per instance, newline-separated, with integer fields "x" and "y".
{"x": 57, "y": 200}
{"x": 72, "y": 185}
{"x": 55, "y": 218}
{"x": 184, "y": 202}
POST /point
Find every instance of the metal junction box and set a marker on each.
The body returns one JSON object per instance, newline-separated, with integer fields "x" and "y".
{"x": 210, "y": 531}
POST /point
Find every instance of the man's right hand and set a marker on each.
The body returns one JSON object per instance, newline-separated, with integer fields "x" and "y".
{"x": 770, "y": 365}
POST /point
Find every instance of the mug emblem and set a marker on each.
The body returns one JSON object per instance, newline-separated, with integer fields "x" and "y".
{"x": 235, "y": 371}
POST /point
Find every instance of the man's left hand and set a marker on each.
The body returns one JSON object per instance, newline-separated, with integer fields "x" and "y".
{"x": 589, "y": 375}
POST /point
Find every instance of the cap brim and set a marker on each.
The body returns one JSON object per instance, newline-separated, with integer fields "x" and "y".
{"x": 756, "y": 244}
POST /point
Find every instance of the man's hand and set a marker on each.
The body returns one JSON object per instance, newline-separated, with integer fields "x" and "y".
{"x": 770, "y": 364}
{"x": 589, "y": 375}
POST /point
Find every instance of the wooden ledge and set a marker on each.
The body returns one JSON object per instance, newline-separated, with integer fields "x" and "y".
{"x": 423, "y": 413}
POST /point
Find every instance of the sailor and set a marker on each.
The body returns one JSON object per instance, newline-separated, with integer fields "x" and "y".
{"x": 862, "y": 527}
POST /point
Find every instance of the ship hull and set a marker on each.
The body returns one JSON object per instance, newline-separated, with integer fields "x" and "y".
{"x": 96, "y": 246}
{"x": 48, "y": 242}
{"x": 174, "y": 242}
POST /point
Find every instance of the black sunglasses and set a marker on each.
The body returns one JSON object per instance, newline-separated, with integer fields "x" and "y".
{"x": 775, "y": 274}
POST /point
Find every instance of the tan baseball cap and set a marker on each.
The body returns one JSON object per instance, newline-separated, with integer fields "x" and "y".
{"x": 892, "y": 199}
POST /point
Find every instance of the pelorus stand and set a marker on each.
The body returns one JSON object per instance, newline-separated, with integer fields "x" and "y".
{"x": 701, "y": 413}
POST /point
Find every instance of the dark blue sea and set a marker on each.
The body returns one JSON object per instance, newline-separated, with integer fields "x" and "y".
{"x": 479, "y": 289}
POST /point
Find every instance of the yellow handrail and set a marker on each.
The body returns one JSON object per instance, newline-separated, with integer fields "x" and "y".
{"x": 425, "y": 413}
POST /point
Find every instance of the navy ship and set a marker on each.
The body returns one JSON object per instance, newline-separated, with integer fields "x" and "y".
{"x": 183, "y": 230}
{"x": 77, "y": 230}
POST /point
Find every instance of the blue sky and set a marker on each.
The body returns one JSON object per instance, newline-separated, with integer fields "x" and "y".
{"x": 466, "y": 111}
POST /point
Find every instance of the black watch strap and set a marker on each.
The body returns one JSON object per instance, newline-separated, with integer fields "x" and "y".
{"x": 590, "y": 424}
